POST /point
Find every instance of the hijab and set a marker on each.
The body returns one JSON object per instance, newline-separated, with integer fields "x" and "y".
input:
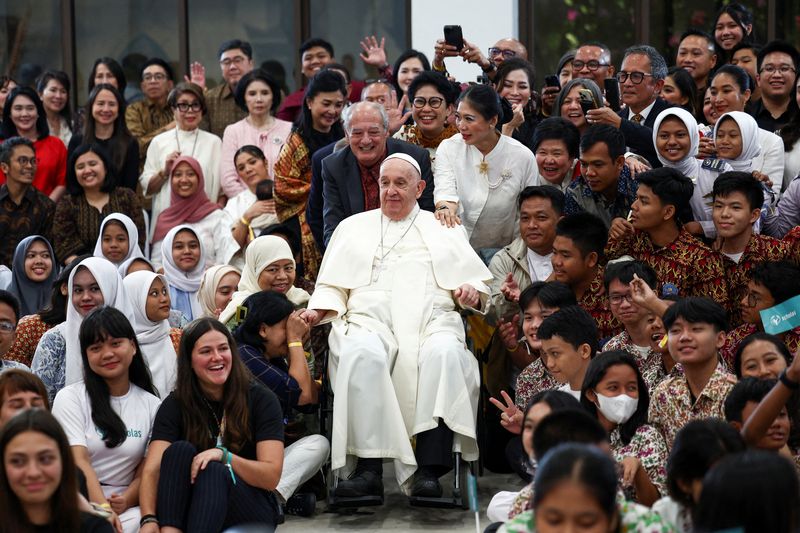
{"x": 134, "y": 251}
{"x": 261, "y": 253}
{"x": 32, "y": 295}
{"x": 183, "y": 286}
{"x": 154, "y": 339}
{"x": 208, "y": 287}
{"x": 689, "y": 164}
{"x": 750, "y": 146}
{"x": 125, "y": 265}
{"x": 184, "y": 210}
{"x": 107, "y": 277}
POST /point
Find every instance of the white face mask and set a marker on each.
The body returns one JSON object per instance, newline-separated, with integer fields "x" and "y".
{"x": 617, "y": 409}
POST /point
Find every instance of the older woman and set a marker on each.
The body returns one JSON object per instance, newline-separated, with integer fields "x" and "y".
{"x": 479, "y": 172}
{"x": 186, "y": 139}
{"x": 53, "y": 88}
{"x": 260, "y": 95}
{"x": 25, "y": 116}
{"x": 432, "y": 97}
{"x": 104, "y": 124}
{"x": 568, "y": 104}
{"x": 555, "y": 144}
{"x": 93, "y": 194}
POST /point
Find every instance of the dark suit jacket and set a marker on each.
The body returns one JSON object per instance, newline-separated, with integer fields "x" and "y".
{"x": 316, "y": 201}
{"x": 639, "y": 137}
{"x": 341, "y": 183}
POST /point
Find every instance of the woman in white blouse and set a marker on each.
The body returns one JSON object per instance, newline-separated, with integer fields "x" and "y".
{"x": 479, "y": 173}
{"x": 186, "y": 139}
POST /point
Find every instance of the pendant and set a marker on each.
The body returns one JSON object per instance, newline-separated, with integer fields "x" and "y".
{"x": 376, "y": 271}
{"x": 483, "y": 167}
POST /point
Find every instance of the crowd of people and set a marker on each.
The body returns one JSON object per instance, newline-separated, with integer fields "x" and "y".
{"x": 606, "y": 269}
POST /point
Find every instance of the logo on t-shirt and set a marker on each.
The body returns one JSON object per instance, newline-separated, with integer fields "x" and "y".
{"x": 131, "y": 433}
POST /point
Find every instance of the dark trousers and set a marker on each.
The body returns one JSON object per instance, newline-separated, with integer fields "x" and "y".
{"x": 434, "y": 449}
{"x": 213, "y": 502}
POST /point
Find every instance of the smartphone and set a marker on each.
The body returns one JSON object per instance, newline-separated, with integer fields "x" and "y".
{"x": 586, "y": 99}
{"x": 552, "y": 81}
{"x": 264, "y": 190}
{"x": 453, "y": 36}
{"x": 611, "y": 86}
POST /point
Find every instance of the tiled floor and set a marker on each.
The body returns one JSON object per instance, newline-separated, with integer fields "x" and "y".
{"x": 397, "y": 515}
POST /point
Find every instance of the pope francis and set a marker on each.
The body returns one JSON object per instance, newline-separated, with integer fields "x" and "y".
{"x": 390, "y": 284}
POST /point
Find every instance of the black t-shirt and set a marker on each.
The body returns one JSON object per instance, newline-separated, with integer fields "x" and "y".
{"x": 265, "y": 417}
{"x": 89, "y": 524}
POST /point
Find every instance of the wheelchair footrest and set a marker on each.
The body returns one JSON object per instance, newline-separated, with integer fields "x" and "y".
{"x": 445, "y": 502}
{"x": 341, "y": 502}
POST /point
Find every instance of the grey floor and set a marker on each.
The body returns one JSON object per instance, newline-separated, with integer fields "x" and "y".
{"x": 397, "y": 515}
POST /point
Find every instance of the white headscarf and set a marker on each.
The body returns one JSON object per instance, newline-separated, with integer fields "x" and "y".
{"x": 688, "y": 165}
{"x": 154, "y": 340}
{"x": 133, "y": 238}
{"x": 186, "y": 281}
{"x": 261, "y": 253}
{"x": 208, "y": 287}
{"x": 750, "y": 146}
{"x": 125, "y": 265}
{"x": 106, "y": 276}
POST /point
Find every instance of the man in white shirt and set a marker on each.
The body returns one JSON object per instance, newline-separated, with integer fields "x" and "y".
{"x": 391, "y": 284}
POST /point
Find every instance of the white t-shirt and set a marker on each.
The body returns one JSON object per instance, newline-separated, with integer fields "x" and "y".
{"x": 137, "y": 409}
{"x": 539, "y": 266}
{"x": 575, "y": 393}
{"x": 734, "y": 257}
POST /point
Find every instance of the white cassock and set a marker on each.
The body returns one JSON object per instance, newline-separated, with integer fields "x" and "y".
{"x": 399, "y": 361}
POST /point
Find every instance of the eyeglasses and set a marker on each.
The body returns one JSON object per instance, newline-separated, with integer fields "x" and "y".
{"x": 507, "y": 54}
{"x": 434, "y": 101}
{"x": 158, "y": 76}
{"x": 616, "y": 299}
{"x": 591, "y": 65}
{"x": 7, "y": 327}
{"x": 636, "y": 77}
{"x": 184, "y": 107}
{"x": 25, "y": 161}
{"x": 228, "y": 61}
{"x": 772, "y": 69}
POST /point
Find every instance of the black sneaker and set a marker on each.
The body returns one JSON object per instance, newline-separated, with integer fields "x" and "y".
{"x": 367, "y": 480}
{"x": 301, "y": 504}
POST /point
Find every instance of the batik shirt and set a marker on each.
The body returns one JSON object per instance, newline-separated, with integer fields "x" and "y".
{"x": 634, "y": 518}
{"x": 595, "y": 302}
{"x": 735, "y": 337}
{"x": 534, "y": 379}
{"x": 649, "y": 364}
{"x": 648, "y": 445}
{"x": 581, "y": 198}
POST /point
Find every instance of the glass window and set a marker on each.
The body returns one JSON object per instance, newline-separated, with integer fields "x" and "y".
{"x": 269, "y": 27}
{"x": 345, "y": 22}
{"x": 31, "y": 38}
{"x": 561, "y": 25}
{"x": 130, "y": 32}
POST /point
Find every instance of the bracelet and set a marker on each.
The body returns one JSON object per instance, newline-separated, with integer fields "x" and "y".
{"x": 148, "y": 519}
{"x": 105, "y": 505}
{"x": 295, "y": 344}
{"x": 793, "y": 385}
{"x": 492, "y": 67}
{"x": 439, "y": 69}
{"x": 244, "y": 221}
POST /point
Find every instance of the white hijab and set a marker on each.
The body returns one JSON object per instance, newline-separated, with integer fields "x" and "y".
{"x": 688, "y": 165}
{"x": 186, "y": 281}
{"x": 261, "y": 253}
{"x": 125, "y": 265}
{"x": 750, "y": 146}
{"x": 133, "y": 238}
{"x": 208, "y": 287}
{"x": 154, "y": 340}
{"x": 107, "y": 277}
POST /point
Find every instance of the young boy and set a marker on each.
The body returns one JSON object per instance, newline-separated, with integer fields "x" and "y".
{"x": 655, "y": 236}
{"x": 743, "y": 400}
{"x": 9, "y": 315}
{"x": 577, "y": 255}
{"x": 638, "y": 335}
{"x": 737, "y": 199}
{"x": 569, "y": 342}
{"x": 696, "y": 329}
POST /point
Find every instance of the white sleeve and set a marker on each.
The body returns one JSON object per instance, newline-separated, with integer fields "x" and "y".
{"x": 71, "y": 409}
{"x": 225, "y": 246}
{"x": 772, "y": 161}
{"x": 152, "y": 164}
{"x": 444, "y": 175}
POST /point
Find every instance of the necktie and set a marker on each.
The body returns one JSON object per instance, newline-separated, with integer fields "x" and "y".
{"x": 637, "y": 118}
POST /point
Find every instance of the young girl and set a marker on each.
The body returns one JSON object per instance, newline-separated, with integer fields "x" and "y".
{"x": 119, "y": 239}
{"x": 184, "y": 264}
{"x": 38, "y": 486}
{"x": 57, "y": 361}
{"x": 190, "y": 205}
{"x": 109, "y": 415}
{"x": 32, "y": 274}
{"x": 269, "y": 266}
{"x": 676, "y": 138}
{"x": 217, "y": 288}
{"x": 217, "y": 446}
{"x": 149, "y": 294}
{"x": 615, "y": 392}
{"x": 576, "y": 489}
